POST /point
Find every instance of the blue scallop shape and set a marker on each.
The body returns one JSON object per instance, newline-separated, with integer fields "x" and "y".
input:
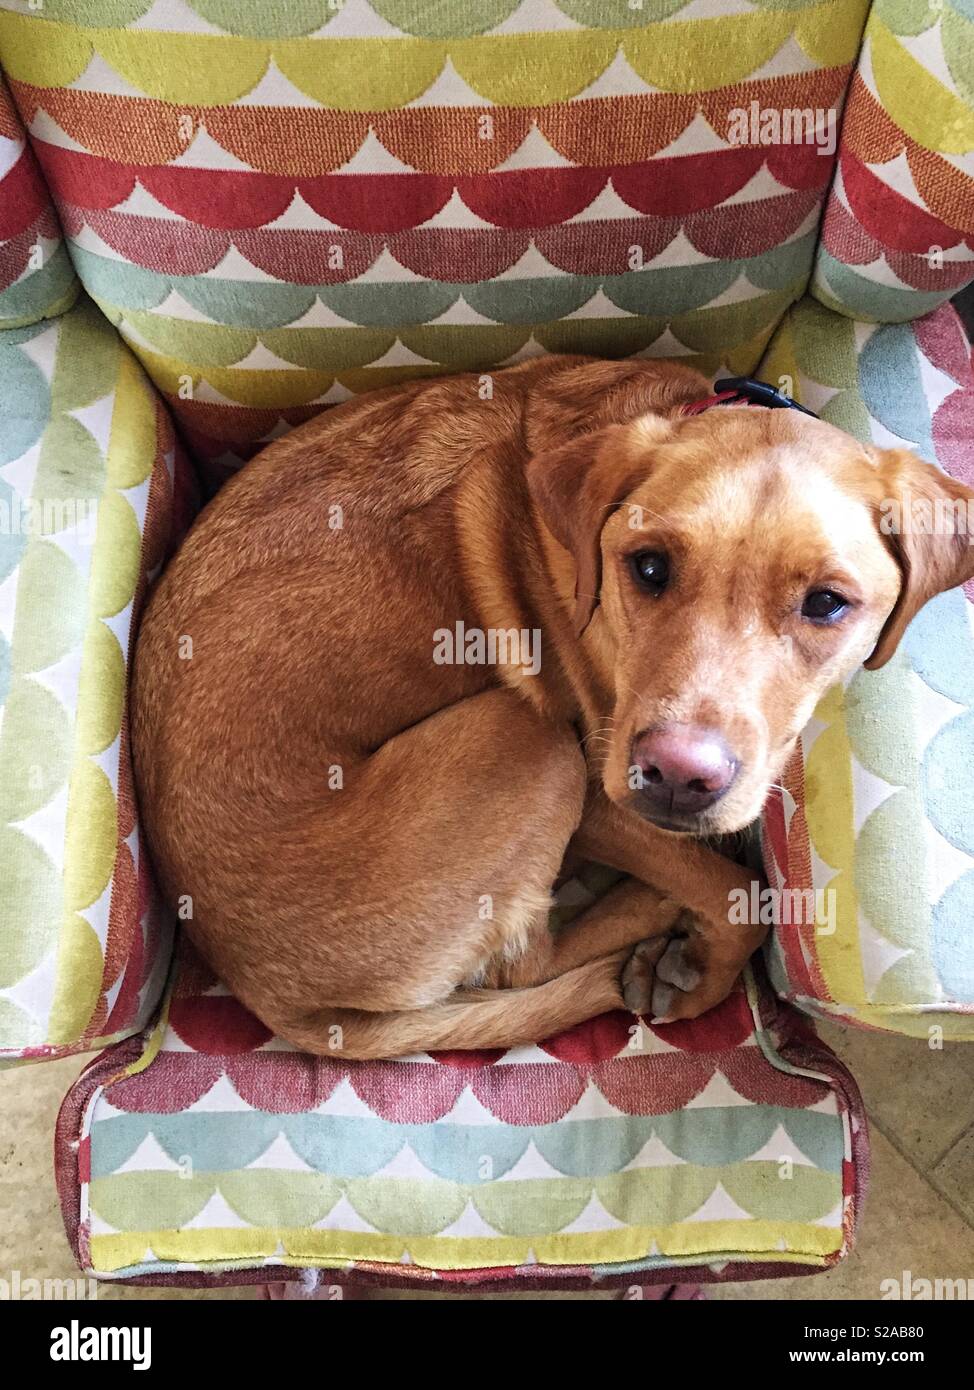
{"x": 940, "y": 646}
{"x": 891, "y": 385}
{"x": 468, "y": 1153}
{"x": 946, "y": 779}
{"x": 952, "y": 946}
{"x": 594, "y": 1148}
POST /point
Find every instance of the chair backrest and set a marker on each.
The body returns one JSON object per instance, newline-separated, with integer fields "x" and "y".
{"x": 282, "y": 208}
{"x": 898, "y": 232}
{"x": 36, "y": 278}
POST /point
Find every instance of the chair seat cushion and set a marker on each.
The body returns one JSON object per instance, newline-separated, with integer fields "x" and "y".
{"x": 616, "y": 1153}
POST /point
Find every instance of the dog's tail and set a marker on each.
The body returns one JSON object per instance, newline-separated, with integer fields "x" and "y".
{"x": 470, "y": 1018}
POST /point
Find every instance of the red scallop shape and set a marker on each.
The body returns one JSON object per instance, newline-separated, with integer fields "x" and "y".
{"x": 752, "y": 1076}
{"x": 169, "y": 248}
{"x": 799, "y": 166}
{"x": 654, "y": 1085}
{"x": 604, "y": 247}
{"x": 469, "y": 255}
{"x": 942, "y": 340}
{"x": 482, "y": 1057}
{"x": 173, "y": 1082}
{"x": 219, "y": 198}
{"x": 304, "y": 257}
{"x": 675, "y": 185}
{"x": 593, "y": 1041}
{"x": 83, "y": 179}
{"x": 726, "y": 1026}
{"x": 530, "y": 197}
{"x": 407, "y": 1092}
{"x": 894, "y": 220}
{"x": 749, "y": 229}
{"x": 529, "y": 1093}
{"x": 217, "y": 1024}
{"x": 284, "y": 1083}
{"x": 921, "y": 274}
{"x": 845, "y": 239}
{"x": 953, "y": 435}
{"x": 376, "y": 202}
{"x": 22, "y": 196}
{"x": 14, "y": 255}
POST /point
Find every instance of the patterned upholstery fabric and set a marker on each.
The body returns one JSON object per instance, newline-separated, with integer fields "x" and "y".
{"x": 878, "y": 807}
{"x": 36, "y": 279}
{"x": 88, "y": 508}
{"x": 282, "y": 205}
{"x": 731, "y": 1148}
{"x": 897, "y": 235}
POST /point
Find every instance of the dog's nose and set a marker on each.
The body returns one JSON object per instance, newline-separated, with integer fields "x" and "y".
{"x": 685, "y": 768}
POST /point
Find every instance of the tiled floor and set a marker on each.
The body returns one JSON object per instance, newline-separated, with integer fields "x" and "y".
{"x": 919, "y": 1216}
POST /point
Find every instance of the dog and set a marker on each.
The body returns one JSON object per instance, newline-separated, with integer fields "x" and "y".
{"x": 361, "y": 827}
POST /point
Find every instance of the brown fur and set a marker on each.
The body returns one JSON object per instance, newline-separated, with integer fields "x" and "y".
{"x": 368, "y": 917}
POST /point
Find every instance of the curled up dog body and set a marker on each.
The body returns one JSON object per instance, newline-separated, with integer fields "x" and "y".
{"x": 369, "y": 833}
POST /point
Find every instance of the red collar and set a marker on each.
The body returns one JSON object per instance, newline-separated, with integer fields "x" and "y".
{"x": 719, "y": 398}
{"x": 745, "y": 390}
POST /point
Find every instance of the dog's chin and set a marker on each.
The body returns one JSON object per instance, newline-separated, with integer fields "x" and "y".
{"x": 715, "y": 820}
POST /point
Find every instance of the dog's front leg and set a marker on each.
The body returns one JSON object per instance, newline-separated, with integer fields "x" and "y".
{"x": 704, "y": 959}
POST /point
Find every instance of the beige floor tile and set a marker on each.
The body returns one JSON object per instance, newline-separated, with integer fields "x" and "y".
{"x": 907, "y": 1226}
{"x": 954, "y": 1174}
{"x": 920, "y": 1097}
{"x": 32, "y": 1237}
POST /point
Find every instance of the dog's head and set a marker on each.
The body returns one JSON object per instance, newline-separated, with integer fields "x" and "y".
{"x": 741, "y": 561}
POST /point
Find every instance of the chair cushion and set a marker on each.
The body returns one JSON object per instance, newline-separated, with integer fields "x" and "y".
{"x": 616, "y": 1153}
{"x": 877, "y": 809}
{"x": 36, "y": 278}
{"x": 93, "y": 492}
{"x": 285, "y": 207}
{"x": 897, "y": 233}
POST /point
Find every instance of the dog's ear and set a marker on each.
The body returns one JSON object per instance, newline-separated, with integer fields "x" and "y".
{"x": 577, "y": 487}
{"x": 926, "y": 517}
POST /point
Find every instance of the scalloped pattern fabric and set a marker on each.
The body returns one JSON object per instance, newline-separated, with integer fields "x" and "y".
{"x": 92, "y": 495}
{"x": 280, "y": 206}
{"x": 898, "y": 233}
{"x": 877, "y": 805}
{"x": 36, "y": 278}
{"x": 613, "y": 1153}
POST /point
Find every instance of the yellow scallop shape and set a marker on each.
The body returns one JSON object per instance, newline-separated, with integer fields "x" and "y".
{"x": 42, "y": 52}
{"x": 132, "y": 442}
{"x": 534, "y": 69}
{"x": 91, "y": 838}
{"x": 183, "y": 67}
{"x": 102, "y": 692}
{"x": 80, "y": 967}
{"x": 360, "y": 74}
{"x": 919, "y": 104}
{"x": 831, "y": 34}
{"x": 700, "y": 55}
{"x": 118, "y": 545}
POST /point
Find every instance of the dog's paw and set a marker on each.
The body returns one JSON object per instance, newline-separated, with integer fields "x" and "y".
{"x": 681, "y": 975}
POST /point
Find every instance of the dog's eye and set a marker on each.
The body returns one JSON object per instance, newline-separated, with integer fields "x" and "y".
{"x": 651, "y": 569}
{"x": 823, "y": 605}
